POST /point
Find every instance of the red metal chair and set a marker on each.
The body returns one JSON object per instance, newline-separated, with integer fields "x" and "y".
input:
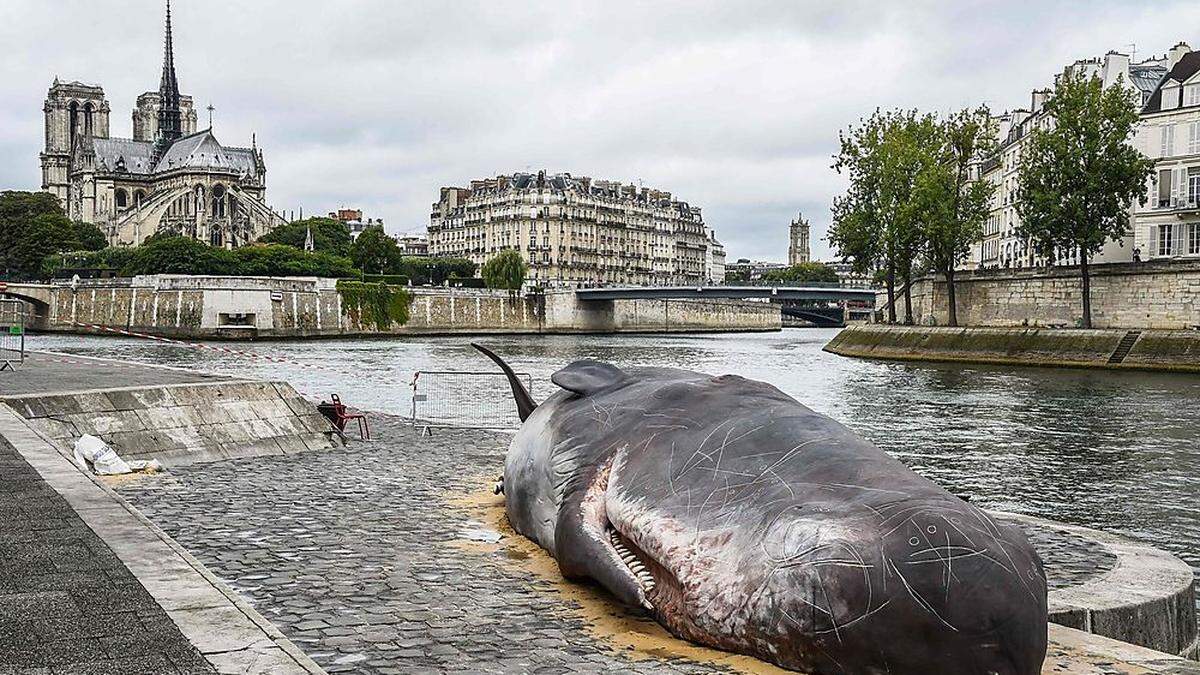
{"x": 338, "y": 414}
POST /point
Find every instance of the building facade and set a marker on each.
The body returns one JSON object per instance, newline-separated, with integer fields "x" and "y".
{"x": 798, "y": 241}
{"x": 353, "y": 219}
{"x": 168, "y": 177}
{"x": 575, "y": 231}
{"x": 1001, "y": 246}
{"x": 1168, "y": 225}
{"x": 414, "y": 245}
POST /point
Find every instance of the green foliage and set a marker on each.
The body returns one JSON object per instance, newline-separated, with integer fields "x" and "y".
{"x": 876, "y": 224}
{"x": 424, "y": 270}
{"x": 180, "y": 255}
{"x": 329, "y": 236}
{"x": 809, "y": 272}
{"x": 86, "y": 237}
{"x": 1079, "y": 175}
{"x": 32, "y": 227}
{"x": 505, "y": 270}
{"x": 950, "y": 206}
{"x": 276, "y": 260}
{"x": 374, "y": 252}
{"x": 378, "y": 304}
{"x": 174, "y": 254}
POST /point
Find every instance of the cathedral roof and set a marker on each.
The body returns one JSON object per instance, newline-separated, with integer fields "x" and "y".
{"x": 202, "y": 150}
{"x": 114, "y": 153}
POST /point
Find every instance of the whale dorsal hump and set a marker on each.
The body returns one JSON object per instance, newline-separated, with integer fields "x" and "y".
{"x": 588, "y": 376}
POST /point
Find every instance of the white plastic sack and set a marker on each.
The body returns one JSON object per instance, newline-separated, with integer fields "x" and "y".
{"x": 103, "y": 460}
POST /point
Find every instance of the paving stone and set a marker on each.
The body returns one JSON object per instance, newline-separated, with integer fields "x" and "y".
{"x": 66, "y": 602}
{"x": 346, "y": 551}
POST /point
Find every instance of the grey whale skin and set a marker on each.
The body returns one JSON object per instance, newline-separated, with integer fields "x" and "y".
{"x": 743, "y": 520}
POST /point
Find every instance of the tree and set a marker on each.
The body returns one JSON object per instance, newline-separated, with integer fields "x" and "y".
{"x": 180, "y": 255}
{"x": 952, "y": 207}
{"x": 876, "y": 224}
{"x": 803, "y": 273}
{"x": 857, "y": 230}
{"x": 1079, "y": 174}
{"x": 908, "y": 149}
{"x": 329, "y": 235}
{"x": 505, "y": 270}
{"x": 374, "y": 252}
{"x": 32, "y": 226}
{"x": 86, "y": 237}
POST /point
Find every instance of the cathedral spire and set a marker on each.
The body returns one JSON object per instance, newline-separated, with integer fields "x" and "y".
{"x": 169, "y": 116}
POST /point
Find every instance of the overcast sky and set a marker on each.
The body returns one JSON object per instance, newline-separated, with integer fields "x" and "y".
{"x": 732, "y": 106}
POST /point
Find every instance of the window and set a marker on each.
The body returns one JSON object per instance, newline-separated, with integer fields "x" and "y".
{"x": 1170, "y": 98}
{"x": 1167, "y": 141}
{"x": 1191, "y": 94}
{"x": 1165, "y": 239}
{"x": 1164, "y": 188}
{"x": 1194, "y": 138}
{"x": 1193, "y": 185}
{"x": 1193, "y": 239}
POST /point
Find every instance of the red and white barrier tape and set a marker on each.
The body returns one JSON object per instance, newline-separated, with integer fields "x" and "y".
{"x": 198, "y": 345}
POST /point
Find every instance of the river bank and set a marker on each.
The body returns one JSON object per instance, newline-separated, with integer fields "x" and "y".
{"x": 250, "y": 308}
{"x": 1153, "y": 350}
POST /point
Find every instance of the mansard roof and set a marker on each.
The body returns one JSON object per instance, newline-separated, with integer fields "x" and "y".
{"x": 202, "y": 150}
{"x": 114, "y": 153}
{"x": 1183, "y": 71}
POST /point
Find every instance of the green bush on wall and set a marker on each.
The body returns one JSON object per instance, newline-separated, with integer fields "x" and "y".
{"x": 377, "y": 304}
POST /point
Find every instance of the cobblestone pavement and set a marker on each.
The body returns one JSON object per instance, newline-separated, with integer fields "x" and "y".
{"x": 67, "y": 603}
{"x": 348, "y": 552}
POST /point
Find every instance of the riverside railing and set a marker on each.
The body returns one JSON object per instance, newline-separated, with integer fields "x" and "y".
{"x": 13, "y": 315}
{"x": 464, "y": 400}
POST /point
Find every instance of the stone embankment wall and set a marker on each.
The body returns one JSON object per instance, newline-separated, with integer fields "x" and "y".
{"x": 240, "y": 307}
{"x": 181, "y": 423}
{"x": 1151, "y": 350}
{"x": 1164, "y": 295}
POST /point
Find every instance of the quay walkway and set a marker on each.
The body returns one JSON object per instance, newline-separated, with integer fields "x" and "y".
{"x": 388, "y": 556}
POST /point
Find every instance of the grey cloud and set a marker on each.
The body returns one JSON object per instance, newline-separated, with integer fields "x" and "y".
{"x": 733, "y": 106}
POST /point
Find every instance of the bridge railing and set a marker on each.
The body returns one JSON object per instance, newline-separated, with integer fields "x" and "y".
{"x": 465, "y": 400}
{"x": 13, "y": 316}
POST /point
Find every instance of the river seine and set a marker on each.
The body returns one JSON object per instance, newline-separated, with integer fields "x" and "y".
{"x": 1113, "y": 450}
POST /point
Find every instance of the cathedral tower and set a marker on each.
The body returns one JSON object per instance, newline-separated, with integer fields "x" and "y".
{"x": 798, "y": 237}
{"x": 72, "y": 110}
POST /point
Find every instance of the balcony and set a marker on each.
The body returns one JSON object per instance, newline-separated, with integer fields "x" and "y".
{"x": 1183, "y": 205}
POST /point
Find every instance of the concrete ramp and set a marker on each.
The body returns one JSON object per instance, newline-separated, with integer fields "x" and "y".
{"x": 181, "y": 423}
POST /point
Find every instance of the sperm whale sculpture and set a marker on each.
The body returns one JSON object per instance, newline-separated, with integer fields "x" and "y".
{"x": 742, "y": 520}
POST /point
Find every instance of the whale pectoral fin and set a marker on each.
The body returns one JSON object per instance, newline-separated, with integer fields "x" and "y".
{"x": 587, "y": 376}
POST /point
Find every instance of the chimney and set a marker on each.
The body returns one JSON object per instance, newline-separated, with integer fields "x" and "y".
{"x": 1116, "y": 65}
{"x": 1177, "y": 52}
{"x": 1038, "y": 100}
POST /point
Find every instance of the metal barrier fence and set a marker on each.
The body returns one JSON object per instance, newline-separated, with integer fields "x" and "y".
{"x": 465, "y": 400}
{"x": 12, "y": 333}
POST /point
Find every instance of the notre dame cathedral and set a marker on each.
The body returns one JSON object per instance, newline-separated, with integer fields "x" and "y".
{"x": 168, "y": 178}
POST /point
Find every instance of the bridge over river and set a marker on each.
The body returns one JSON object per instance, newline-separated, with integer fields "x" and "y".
{"x": 807, "y": 303}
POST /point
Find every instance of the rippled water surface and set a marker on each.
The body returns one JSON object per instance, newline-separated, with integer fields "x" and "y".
{"x": 1112, "y": 450}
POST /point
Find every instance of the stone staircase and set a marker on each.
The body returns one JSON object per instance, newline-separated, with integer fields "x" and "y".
{"x": 1124, "y": 346}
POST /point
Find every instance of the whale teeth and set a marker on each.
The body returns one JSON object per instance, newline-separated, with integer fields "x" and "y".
{"x": 635, "y": 565}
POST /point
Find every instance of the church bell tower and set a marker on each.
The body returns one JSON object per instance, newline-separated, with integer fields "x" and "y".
{"x": 798, "y": 241}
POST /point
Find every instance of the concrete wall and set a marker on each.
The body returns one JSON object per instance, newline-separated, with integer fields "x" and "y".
{"x": 203, "y": 307}
{"x": 182, "y": 423}
{"x": 1162, "y": 295}
{"x": 1177, "y": 351}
